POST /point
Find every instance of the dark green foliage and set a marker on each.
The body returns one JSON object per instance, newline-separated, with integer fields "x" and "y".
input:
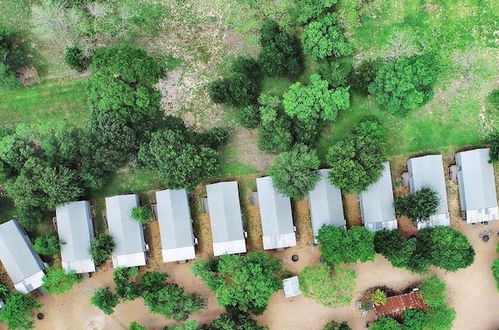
{"x": 493, "y": 98}
{"x": 418, "y": 206}
{"x": 362, "y": 76}
{"x": 305, "y": 10}
{"x": 57, "y": 281}
{"x": 233, "y": 319}
{"x": 122, "y": 83}
{"x": 135, "y": 326}
{"x": 357, "y": 161}
{"x": 404, "y": 84}
{"x": 339, "y": 245}
{"x": 214, "y": 138}
{"x": 495, "y": 272}
{"x": 105, "y": 300}
{"x": 187, "y": 325}
{"x": 142, "y": 214}
{"x": 294, "y": 173}
{"x": 275, "y": 131}
{"x": 125, "y": 288}
{"x": 333, "y": 325}
{"x": 336, "y": 73}
{"x": 280, "y": 54}
{"x": 243, "y": 282}
{"x": 432, "y": 291}
{"x": 249, "y": 116}
{"x": 13, "y": 57}
{"x": 101, "y": 248}
{"x": 47, "y": 245}
{"x": 323, "y": 38}
{"x": 76, "y": 60}
{"x": 414, "y": 319}
{"x": 385, "y": 323}
{"x": 441, "y": 318}
{"x": 18, "y": 311}
{"x": 4, "y": 292}
{"x": 398, "y": 250}
{"x": 493, "y": 142}
{"x": 153, "y": 281}
{"x": 8, "y": 79}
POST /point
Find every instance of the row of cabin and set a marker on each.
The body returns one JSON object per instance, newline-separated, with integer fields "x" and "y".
{"x": 477, "y": 192}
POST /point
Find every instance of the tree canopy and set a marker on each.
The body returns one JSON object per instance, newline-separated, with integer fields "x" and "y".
{"x": 432, "y": 291}
{"x": 233, "y": 319}
{"x": 101, "y": 248}
{"x": 47, "y": 245}
{"x": 18, "y": 311}
{"x": 105, "y": 300}
{"x": 57, "y": 281}
{"x": 419, "y": 205}
{"x": 305, "y": 10}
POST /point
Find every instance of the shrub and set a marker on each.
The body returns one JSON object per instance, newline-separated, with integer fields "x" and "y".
{"x": 125, "y": 288}
{"x": 419, "y": 206}
{"x": 249, "y": 116}
{"x": 493, "y": 141}
{"x": 47, "y": 245}
{"x": 440, "y": 318}
{"x": 8, "y": 79}
{"x": 75, "y": 59}
{"x": 306, "y": 10}
{"x": 18, "y": 311}
{"x": 294, "y": 173}
{"x": 336, "y": 73}
{"x": 414, "y": 319}
{"x": 493, "y": 98}
{"x": 362, "y": 76}
{"x": 432, "y": 291}
{"x": 105, "y": 300}
{"x": 333, "y": 325}
{"x": 142, "y": 214}
{"x": 135, "y": 326}
{"x": 57, "y": 281}
{"x": 495, "y": 272}
{"x": 234, "y": 319}
{"x": 378, "y": 297}
{"x": 385, "y": 323}
{"x": 101, "y": 248}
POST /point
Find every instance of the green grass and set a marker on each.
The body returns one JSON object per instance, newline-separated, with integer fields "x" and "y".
{"x": 47, "y": 102}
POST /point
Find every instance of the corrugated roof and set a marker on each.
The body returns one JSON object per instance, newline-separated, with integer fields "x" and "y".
{"x": 291, "y": 287}
{"x": 376, "y": 203}
{"x": 75, "y": 229}
{"x": 225, "y": 216}
{"x": 127, "y": 233}
{"x": 396, "y": 305}
{"x": 275, "y": 215}
{"x": 175, "y": 225}
{"x": 428, "y": 171}
{"x": 18, "y": 257}
{"x": 326, "y": 205}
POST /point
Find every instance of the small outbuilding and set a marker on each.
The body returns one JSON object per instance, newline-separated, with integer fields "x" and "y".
{"x": 75, "y": 229}
{"x": 22, "y": 263}
{"x": 275, "y": 215}
{"x": 175, "y": 225}
{"x": 326, "y": 205}
{"x": 428, "y": 171}
{"x": 226, "y": 221}
{"x": 376, "y": 203}
{"x": 477, "y": 188}
{"x": 291, "y": 287}
{"x": 127, "y": 233}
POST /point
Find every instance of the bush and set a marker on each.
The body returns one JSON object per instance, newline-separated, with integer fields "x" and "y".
{"x": 333, "y": 325}
{"x": 101, "y": 248}
{"x": 336, "y": 73}
{"x": 57, "y": 281}
{"x": 142, "y": 214}
{"x": 135, "y": 326}
{"x": 125, "y": 288}
{"x": 18, "y": 311}
{"x": 495, "y": 272}
{"x": 362, "y": 76}
{"x": 306, "y": 10}
{"x": 419, "y": 206}
{"x": 378, "y": 297}
{"x": 493, "y": 98}
{"x": 76, "y": 60}
{"x": 493, "y": 141}
{"x": 405, "y": 83}
{"x": 47, "y": 245}
{"x": 330, "y": 288}
{"x": 441, "y": 318}
{"x": 294, "y": 173}
{"x": 414, "y": 319}
{"x": 105, "y": 300}
{"x": 234, "y": 319}
{"x": 432, "y": 291}
{"x": 8, "y": 79}
{"x": 249, "y": 116}
{"x": 385, "y": 323}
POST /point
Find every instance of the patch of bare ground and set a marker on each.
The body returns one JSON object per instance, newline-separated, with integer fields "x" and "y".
{"x": 201, "y": 224}
{"x": 352, "y": 210}
{"x": 250, "y": 212}
{"x": 244, "y": 142}
{"x": 302, "y": 221}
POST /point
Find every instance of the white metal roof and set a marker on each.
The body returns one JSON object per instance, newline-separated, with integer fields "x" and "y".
{"x": 75, "y": 229}
{"x": 127, "y": 233}
{"x": 291, "y": 287}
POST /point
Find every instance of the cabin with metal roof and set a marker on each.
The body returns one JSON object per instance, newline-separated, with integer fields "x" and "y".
{"x": 127, "y": 233}
{"x": 226, "y": 220}
{"x": 75, "y": 229}
{"x": 22, "y": 263}
{"x": 326, "y": 205}
{"x": 275, "y": 215}
{"x": 477, "y": 188}
{"x": 291, "y": 286}
{"x": 428, "y": 171}
{"x": 175, "y": 225}
{"x": 376, "y": 203}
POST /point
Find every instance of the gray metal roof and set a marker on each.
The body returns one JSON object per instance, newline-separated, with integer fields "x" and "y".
{"x": 127, "y": 233}
{"x": 75, "y": 229}
{"x": 175, "y": 224}
{"x": 18, "y": 256}
{"x": 428, "y": 171}
{"x": 225, "y": 216}
{"x": 291, "y": 286}
{"x": 275, "y": 215}
{"x": 477, "y": 189}
{"x": 326, "y": 205}
{"x": 376, "y": 203}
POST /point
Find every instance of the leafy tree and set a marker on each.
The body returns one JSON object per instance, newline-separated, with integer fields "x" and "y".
{"x": 432, "y": 291}
{"x": 234, "y": 319}
{"x": 105, "y": 300}
{"x": 378, "y": 297}
{"x": 440, "y": 318}
{"x": 187, "y": 325}
{"x": 76, "y": 60}
{"x": 125, "y": 288}
{"x": 306, "y": 10}
{"x": 495, "y": 271}
{"x": 493, "y": 98}
{"x": 315, "y": 100}
{"x": 339, "y": 245}
{"x": 294, "y": 173}
{"x": 136, "y": 326}
{"x": 101, "y": 248}
{"x": 362, "y": 76}
{"x": 4, "y": 292}
{"x": 414, "y": 319}
{"x": 243, "y": 282}
{"x": 142, "y": 214}
{"x": 280, "y": 54}
{"x": 18, "y": 311}
{"x": 275, "y": 132}
{"x": 419, "y": 206}
{"x": 249, "y": 116}
{"x": 385, "y": 323}
{"x": 398, "y": 250}
{"x": 357, "y": 161}
{"x": 47, "y": 245}
{"x": 493, "y": 142}
{"x": 330, "y": 288}
{"x": 13, "y": 51}
{"x": 333, "y": 325}
{"x": 336, "y": 73}
{"x": 57, "y": 281}
{"x": 322, "y": 38}
{"x": 8, "y": 79}
{"x": 405, "y": 83}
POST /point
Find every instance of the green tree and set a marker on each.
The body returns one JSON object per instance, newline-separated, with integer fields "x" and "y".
{"x": 57, "y": 281}
{"x": 142, "y": 214}
{"x": 125, "y": 288}
{"x": 18, "y": 311}
{"x": 440, "y": 318}
{"x": 362, "y": 76}
{"x": 404, "y": 84}
{"x": 234, "y": 319}
{"x": 75, "y": 59}
{"x": 294, "y": 173}
{"x": 333, "y": 325}
{"x": 101, "y": 248}
{"x": 398, "y": 250}
{"x": 136, "y": 326}
{"x": 332, "y": 288}
{"x": 378, "y": 297}
{"x": 47, "y": 245}
{"x": 244, "y": 282}
{"x": 493, "y": 141}
{"x": 315, "y": 100}
{"x": 249, "y": 116}
{"x": 336, "y": 73}
{"x": 323, "y": 38}
{"x": 275, "y": 131}
{"x": 8, "y": 79}
{"x": 339, "y": 245}
{"x": 432, "y": 291}
{"x": 495, "y": 271}
{"x": 305, "y": 10}
{"x": 419, "y": 206}
{"x": 357, "y": 161}
{"x": 187, "y": 325}
{"x": 414, "y": 319}
{"x": 105, "y": 300}
{"x": 385, "y": 323}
